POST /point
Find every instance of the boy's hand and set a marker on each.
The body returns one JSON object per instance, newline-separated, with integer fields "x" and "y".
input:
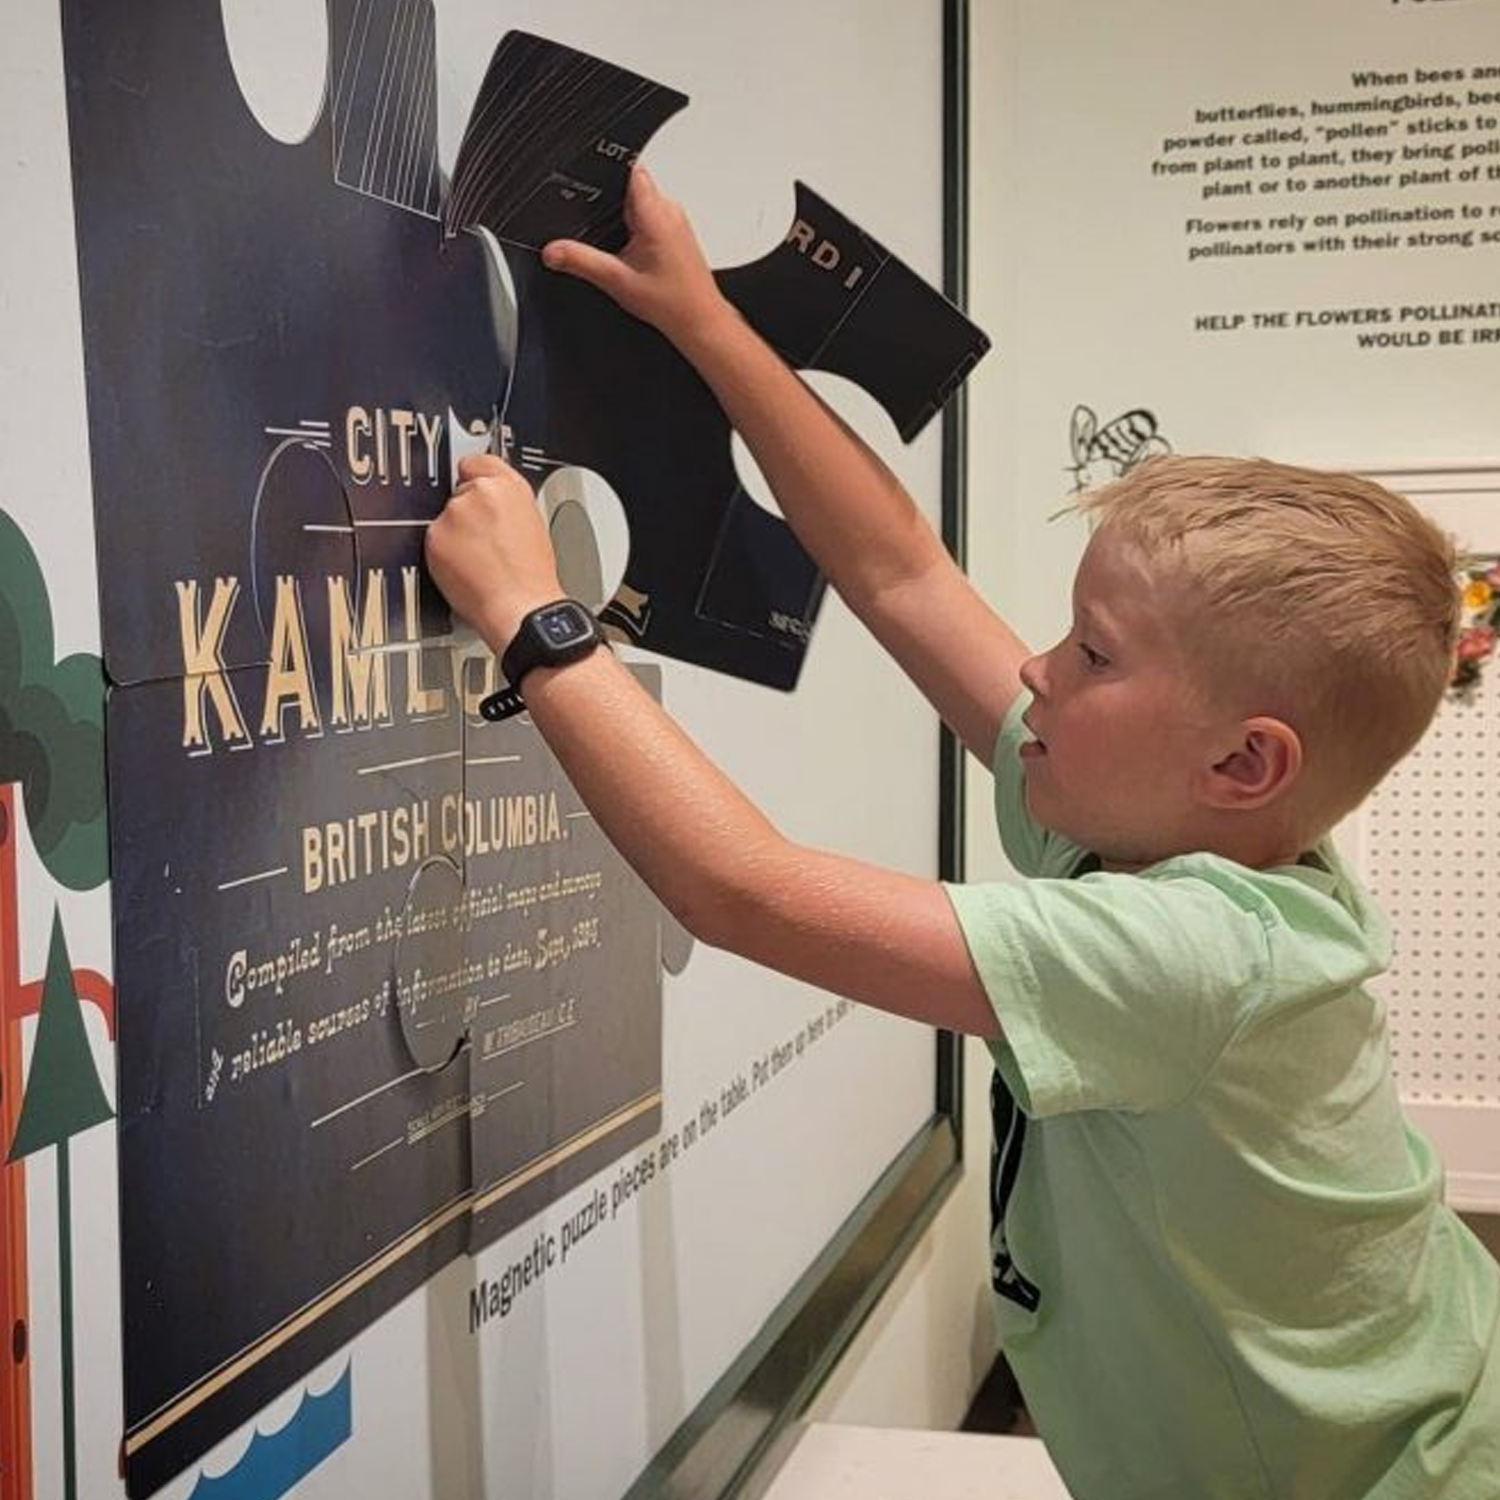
{"x": 489, "y": 551}
{"x": 661, "y": 276}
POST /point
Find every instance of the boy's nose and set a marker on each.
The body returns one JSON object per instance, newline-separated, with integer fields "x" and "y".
{"x": 1031, "y": 675}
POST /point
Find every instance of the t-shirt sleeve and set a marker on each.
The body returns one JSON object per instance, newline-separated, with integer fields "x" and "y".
{"x": 1112, "y": 991}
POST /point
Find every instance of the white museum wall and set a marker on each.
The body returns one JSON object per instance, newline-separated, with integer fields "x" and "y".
{"x": 931, "y": 1341}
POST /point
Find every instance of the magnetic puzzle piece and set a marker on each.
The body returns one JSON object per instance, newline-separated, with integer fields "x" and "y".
{"x": 287, "y": 1171}
{"x": 237, "y": 298}
{"x": 712, "y": 577}
{"x": 392, "y": 992}
{"x": 564, "y": 1050}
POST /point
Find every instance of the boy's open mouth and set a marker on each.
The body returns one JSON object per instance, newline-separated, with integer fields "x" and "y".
{"x": 1036, "y": 745}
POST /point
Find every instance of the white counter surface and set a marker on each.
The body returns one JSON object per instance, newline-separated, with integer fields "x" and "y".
{"x": 833, "y": 1462}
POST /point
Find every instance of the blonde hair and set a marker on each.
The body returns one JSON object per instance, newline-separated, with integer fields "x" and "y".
{"x": 1319, "y": 598}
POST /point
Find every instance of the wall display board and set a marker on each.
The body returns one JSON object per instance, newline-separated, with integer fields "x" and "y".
{"x": 368, "y": 1126}
{"x": 1248, "y": 230}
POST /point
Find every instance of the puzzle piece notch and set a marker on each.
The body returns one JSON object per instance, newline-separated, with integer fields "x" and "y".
{"x": 302, "y": 530}
{"x": 589, "y": 531}
{"x": 280, "y": 55}
{"x": 434, "y": 1019}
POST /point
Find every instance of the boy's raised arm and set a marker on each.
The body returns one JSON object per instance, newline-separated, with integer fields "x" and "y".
{"x": 846, "y": 507}
{"x": 712, "y": 858}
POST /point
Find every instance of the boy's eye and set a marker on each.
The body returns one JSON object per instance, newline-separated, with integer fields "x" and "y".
{"x": 1092, "y": 659}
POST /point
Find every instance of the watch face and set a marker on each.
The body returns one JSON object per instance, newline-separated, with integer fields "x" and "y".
{"x": 550, "y": 636}
{"x": 563, "y": 623}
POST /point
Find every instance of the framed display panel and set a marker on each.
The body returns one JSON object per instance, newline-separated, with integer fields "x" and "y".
{"x": 664, "y": 1240}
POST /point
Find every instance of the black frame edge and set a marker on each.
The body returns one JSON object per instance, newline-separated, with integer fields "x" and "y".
{"x": 715, "y": 1453}
{"x": 952, "y": 854}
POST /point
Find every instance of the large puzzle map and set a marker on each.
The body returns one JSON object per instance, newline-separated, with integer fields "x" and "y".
{"x": 384, "y": 990}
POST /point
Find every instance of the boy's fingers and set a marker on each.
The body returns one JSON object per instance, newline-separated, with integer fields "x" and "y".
{"x": 481, "y": 466}
{"x": 639, "y": 192}
{"x": 597, "y": 267}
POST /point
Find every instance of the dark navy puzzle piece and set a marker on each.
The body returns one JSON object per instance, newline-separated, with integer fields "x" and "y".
{"x": 286, "y": 1170}
{"x": 712, "y": 577}
{"x": 237, "y": 303}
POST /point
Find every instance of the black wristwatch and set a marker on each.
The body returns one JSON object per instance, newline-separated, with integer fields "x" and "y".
{"x": 551, "y": 636}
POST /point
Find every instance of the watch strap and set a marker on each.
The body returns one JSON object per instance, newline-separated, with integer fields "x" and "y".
{"x": 505, "y": 704}
{"x": 530, "y": 648}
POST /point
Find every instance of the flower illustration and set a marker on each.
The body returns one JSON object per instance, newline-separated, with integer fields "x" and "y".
{"x": 1479, "y": 625}
{"x": 1476, "y": 643}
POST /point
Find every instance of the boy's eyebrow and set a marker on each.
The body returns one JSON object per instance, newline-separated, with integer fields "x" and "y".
{"x": 1094, "y": 622}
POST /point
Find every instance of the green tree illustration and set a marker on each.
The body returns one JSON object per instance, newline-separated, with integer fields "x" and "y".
{"x": 63, "y": 1097}
{"x": 51, "y": 724}
{"x": 63, "y": 1092}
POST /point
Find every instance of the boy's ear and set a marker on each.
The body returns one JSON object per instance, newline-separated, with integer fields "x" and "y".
{"x": 1263, "y": 766}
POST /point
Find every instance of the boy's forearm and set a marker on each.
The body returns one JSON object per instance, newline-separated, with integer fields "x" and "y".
{"x": 730, "y": 877}
{"x": 679, "y": 821}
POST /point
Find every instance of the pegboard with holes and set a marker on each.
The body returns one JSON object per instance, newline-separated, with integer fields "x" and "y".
{"x": 1432, "y": 832}
{"x": 1427, "y": 844}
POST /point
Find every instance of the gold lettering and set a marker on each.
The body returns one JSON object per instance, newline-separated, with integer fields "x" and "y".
{"x": 356, "y": 426}
{"x": 360, "y": 670}
{"x": 420, "y": 699}
{"x": 403, "y": 421}
{"x": 288, "y": 676}
{"x": 333, "y": 847}
{"x": 450, "y": 813}
{"x": 431, "y": 430}
{"x": 312, "y": 859}
{"x": 463, "y": 676}
{"x": 203, "y": 664}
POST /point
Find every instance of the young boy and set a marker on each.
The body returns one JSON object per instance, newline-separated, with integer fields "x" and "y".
{"x": 1223, "y": 1265}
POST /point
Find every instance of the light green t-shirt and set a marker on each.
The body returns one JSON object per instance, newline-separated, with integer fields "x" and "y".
{"x": 1223, "y": 1262}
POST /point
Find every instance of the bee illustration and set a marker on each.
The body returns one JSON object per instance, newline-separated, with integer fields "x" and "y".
{"x": 1101, "y": 454}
